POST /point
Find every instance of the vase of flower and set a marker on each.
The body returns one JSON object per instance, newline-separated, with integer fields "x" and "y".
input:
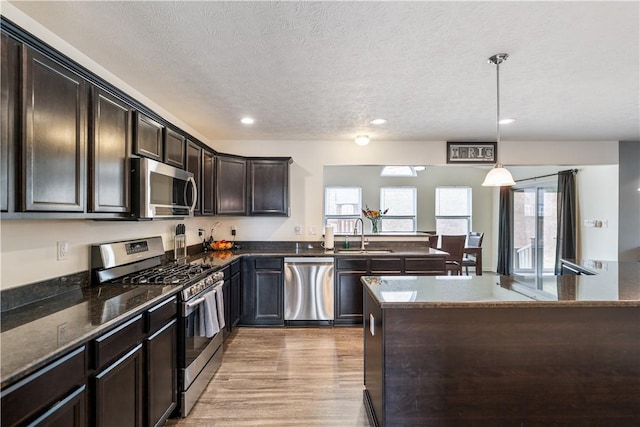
{"x": 374, "y": 216}
{"x": 374, "y": 225}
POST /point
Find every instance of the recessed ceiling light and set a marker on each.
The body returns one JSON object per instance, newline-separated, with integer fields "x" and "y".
{"x": 247, "y": 120}
{"x": 378, "y": 121}
{"x": 362, "y": 139}
{"x": 507, "y": 120}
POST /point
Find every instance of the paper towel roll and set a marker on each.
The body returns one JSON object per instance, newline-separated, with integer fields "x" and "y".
{"x": 328, "y": 237}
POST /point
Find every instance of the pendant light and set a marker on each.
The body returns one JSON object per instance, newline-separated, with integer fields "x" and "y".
{"x": 498, "y": 176}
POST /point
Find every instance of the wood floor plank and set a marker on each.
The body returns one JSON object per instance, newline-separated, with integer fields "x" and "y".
{"x": 285, "y": 377}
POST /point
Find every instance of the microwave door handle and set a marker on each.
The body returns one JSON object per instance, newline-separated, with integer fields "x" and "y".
{"x": 194, "y": 193}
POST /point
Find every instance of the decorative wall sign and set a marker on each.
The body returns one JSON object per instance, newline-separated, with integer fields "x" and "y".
{"x": 471, "y": 152}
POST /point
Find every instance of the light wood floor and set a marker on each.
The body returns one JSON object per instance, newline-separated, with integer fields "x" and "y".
{"x": 285, "y": 377}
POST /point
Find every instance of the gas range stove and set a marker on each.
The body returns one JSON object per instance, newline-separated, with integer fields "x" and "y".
{"x": 139, "y": 262}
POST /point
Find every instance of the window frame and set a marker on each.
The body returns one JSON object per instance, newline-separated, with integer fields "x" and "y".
{"x": 413, "y": 218}
{"x": 468, "y": 216}
{"x": 328, "y": 217}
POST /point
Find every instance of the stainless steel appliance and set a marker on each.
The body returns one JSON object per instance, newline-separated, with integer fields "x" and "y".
{"x": 139, "y": 261}
{"x": 308, "y": 289}
{"x": 161, "y": 191}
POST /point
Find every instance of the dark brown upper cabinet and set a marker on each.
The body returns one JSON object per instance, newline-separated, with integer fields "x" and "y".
{"x": 231, "y": 185}
{"x": 54, "y": 140}
{"x": 174, "y": 148}
{"x": 109, "y": 152}
{"x": 208, "y": 177}
{"x": 194, "y": 165}
{"x": 148, "y": 139}
{"x": 269, "y": 186}
{"x": 9, "y": 74}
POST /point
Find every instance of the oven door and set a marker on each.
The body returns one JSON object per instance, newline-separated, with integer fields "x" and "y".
{"x": 198, "y": 348}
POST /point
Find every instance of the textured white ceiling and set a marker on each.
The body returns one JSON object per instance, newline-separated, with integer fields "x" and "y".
{"x": 322, "y": 70}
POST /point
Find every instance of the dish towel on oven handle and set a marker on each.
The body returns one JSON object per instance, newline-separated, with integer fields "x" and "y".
{"x": 209, "y": 325}
{"x": 220, "y": 307}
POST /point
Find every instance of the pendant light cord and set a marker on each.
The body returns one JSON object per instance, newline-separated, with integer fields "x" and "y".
{"x": 498, "y": 107}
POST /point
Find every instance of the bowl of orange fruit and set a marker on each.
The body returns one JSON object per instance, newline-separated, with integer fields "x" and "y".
{"x": 221, "y": 245}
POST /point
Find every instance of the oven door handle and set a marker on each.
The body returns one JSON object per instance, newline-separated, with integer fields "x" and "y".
{"x": 198, "y": 301}
{"x": 192, "y": 304}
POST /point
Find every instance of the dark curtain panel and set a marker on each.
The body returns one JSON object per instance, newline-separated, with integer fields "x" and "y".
{"x": 566, "y": 246}
{"x": 504, "y": 232}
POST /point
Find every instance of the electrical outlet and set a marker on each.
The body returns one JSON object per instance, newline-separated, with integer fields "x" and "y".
{"x": 62, "y": 333}
{"x": 234, "y": 230}
{"x": 298, "y": 230}
{"x": 63, "y": 250}
{"x": 313, "y": 230}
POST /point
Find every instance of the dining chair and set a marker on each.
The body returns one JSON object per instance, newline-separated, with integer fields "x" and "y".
{"x": 474, "y": 240}
{"x": 433, "y": 241}
{"x": 454, "y": 245}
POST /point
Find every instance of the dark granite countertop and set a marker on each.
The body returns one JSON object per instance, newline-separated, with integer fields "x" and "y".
{"x": 33, "y": 335}
{"x": 618, "y": 285}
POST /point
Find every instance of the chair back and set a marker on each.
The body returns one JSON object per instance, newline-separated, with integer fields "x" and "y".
{"x": 433, "y": 241}
{"x": 454, "y": 245}
{"x": 475, "y": 239}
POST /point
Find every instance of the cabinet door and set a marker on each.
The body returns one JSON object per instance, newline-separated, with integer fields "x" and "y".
{"x": 69, "y": 412}
{"x": 235, "y": 303}
{"x": 269, "y": 297}
{"x": 162, "y": 380}
{"x": 148, "y": 137}
{"x": 109, "y": 151}
{"x": 174, "y": 148}
{"x": 118, "y": 392}
{"x": 10, "y": 51}
{"x": 54, "y": 144}
{"x": 348, "y": 297}
{"x": 194, "y": 165}
{"x": 269, "y": 187}
{"x": 231, "y": 185}
{"x": 208, "y": 196}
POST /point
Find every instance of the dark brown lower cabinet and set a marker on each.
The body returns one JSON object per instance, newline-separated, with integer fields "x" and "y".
{"x": 263, "y": 291}
{"x": 69, "y": 412}
{"x": 52, "y": 396}
{"x": 162, "y": 381}
{"x": 119, "y": 392}
{"x": 348, "y": 298}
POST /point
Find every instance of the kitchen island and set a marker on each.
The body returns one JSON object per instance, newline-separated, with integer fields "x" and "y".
{"x": 503, "y": 350}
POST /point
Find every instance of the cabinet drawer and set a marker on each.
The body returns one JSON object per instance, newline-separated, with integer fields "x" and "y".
{"x": 352, "y": 264}
{"x": 269, "y": 263}
{"x": 161, "y": 314}
{"x": 41, "y": 389}
{"x": 386, "y": 265}
{"x": 114, "y": 343}
{"x": 427, "y": 266}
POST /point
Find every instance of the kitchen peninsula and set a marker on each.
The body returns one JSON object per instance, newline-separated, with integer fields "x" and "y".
{"x": 498, "y": 350}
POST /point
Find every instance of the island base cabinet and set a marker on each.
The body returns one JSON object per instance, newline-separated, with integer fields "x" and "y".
{"x": 118, "y": 392}
{"x": 499, "y": 366}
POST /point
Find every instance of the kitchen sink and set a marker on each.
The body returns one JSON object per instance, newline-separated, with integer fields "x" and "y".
{"x": 366, "y": 251}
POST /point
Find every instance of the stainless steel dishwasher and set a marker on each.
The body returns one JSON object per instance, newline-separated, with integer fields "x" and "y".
{"x": 308, "y": 289}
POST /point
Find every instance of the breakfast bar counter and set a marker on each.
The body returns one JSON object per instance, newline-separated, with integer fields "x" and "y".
{"x": 503, "y": 350}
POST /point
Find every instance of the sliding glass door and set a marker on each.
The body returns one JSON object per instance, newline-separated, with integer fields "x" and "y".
{"x": 534, "y": 229}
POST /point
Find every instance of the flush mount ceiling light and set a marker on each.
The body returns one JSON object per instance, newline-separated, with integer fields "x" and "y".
{"x": 247, "y": 120}
{"x": 507, "y": 121}
{"x": 362, "y": 139}
{"x": 499, "y": 176}
{"x": 378, "y": 121}
{"x": 398, "y": 171}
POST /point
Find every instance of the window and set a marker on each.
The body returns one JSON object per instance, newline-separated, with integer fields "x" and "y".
{"x": 402, "y": 205}
{"x": 453, "y": 210}
{"x": 342, "y": 206}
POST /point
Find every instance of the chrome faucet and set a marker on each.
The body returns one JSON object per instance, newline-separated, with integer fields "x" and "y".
{"x": 355, "y": 231}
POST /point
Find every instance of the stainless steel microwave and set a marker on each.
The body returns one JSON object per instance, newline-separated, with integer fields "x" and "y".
{"x": 161, "y": 191}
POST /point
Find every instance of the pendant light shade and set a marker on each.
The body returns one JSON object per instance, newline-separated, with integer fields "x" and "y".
{"x": 499, "y": 176}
